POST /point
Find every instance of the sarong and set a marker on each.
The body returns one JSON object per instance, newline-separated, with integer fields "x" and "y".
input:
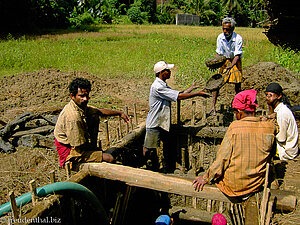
{"x": 235, "y": 73}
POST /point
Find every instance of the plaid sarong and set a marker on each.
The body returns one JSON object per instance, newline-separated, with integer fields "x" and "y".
{"x": 235, "y": 73}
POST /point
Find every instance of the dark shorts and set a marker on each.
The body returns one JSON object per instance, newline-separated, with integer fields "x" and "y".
{"x": 154, "y": 136}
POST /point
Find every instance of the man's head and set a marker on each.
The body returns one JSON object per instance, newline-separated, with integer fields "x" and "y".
{"x": 228, "y": 25}
{"x": 244, "y": 104}
{"x": 273, "y": 94}
{"x": 79, "y": 90}
{"x": 163, "y": 70}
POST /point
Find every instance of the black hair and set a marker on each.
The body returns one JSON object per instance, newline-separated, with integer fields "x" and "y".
{"x": 80, "y": 83}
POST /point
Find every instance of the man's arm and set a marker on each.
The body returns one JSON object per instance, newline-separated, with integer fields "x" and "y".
{"x": 109, "y": 112}
{"x": 218, "y": 167}
{"x": 234, "y": 61}
{"x": 184, "y": 95}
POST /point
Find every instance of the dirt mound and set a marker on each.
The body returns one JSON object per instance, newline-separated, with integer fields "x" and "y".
{"x": 47, "y": 90}
{"x": 258, "y": 76}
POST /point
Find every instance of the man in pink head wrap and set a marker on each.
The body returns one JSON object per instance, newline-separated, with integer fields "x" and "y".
{"x": 240, "y": 165}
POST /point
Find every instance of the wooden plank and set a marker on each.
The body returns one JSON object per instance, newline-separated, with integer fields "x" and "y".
{"x": 170, "y": 184}
{"x": 151, "y": 180}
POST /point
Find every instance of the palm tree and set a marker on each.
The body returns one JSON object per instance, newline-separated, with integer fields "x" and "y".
{"x": 230, "y": 6}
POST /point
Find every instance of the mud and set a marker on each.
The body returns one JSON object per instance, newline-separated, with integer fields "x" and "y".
{"x": 47, "y": 91}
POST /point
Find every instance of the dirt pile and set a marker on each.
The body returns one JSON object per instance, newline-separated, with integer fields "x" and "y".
{"x": 47, "y": 90}
{"x": 258, "y": 76}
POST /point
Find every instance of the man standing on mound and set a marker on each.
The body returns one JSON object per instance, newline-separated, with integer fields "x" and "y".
{"x": 229, "y": 44}
{"x": 76, "y": 130}
{"x": 159, "y": 116}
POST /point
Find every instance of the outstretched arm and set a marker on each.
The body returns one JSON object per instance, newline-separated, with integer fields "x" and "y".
{"x": 185, "y": 95}
{"x": 109, "y": 112}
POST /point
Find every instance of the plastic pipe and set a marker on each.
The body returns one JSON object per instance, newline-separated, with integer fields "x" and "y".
{"x": 56, "y": 188}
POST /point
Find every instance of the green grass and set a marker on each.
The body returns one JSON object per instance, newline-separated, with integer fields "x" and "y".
{"x": 130, "y": 51}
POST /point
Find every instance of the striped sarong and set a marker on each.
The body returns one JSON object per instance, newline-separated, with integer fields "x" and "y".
{"x": 235, "y": 73}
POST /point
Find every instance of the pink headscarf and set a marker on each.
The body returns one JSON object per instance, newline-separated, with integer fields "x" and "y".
{"x": 245, "y": 100}
{"x": 219, "y": 219}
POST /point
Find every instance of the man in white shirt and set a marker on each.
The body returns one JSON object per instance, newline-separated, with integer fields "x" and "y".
{"x": 230, "y": 44}
{"x": 287, "y": 137}
{"x": 159, "y": 116}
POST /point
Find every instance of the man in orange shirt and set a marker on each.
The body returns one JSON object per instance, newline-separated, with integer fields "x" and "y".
{"x": 240, "y": 165}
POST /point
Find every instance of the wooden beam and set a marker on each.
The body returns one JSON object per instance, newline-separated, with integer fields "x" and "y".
{"x": 131, "y": 136}
{"x": 170, "y": 184}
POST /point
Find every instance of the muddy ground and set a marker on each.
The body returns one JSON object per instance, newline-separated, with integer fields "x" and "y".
{"x": 46, "y": 92}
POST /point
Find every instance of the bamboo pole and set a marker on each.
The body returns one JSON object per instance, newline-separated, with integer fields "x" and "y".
{"x": 204, "y": 103}
{"x": 120, "y": 127}
{"x": 52, "y": 176}
{"x": 32, "y": 185}
{"x": 183, "y": 160}
{"x": 127, "y": 125}
{"x": 13, "y": 204}
{"x": 106, "y": 133}
{"x": 265, "y": 198}
{"x": 193, "y": 113}
{"x": 68, "y": 170}
{"x": 135, "y": 114}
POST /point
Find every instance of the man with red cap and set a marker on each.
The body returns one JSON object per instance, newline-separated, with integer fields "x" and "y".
{"x": 240, "y": 165}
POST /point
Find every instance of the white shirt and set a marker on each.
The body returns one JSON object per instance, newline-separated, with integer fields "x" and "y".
{"x": 230, "y": 48}
{"x": 287, "y": 138}
{"x": 160, "y": 99}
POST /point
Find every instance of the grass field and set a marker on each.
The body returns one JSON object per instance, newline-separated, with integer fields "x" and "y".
{"x": 130, "y": 51}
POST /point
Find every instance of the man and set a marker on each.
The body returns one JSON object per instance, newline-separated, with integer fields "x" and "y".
{"x": 159, "y": 116}
{"x": 230, "y": 44}
{"x": 287, "y": 137}
{"x": 240, "y": 165}
{"x": 77, "y": 127}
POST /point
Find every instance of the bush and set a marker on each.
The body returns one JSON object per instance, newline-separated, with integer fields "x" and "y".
{"x": 83, "y": 19}
{"x": 135, "y": 15}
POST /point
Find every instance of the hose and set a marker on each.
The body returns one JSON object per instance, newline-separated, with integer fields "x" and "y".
{"x": 56, "y": 188}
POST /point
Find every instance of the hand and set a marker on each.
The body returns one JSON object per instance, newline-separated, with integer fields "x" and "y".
{"x": 199, "y": 183}
{"x": 196, "y": 84}
{"x": 228, "y": 68}
{"x": 125, "y": 118}
{"x": 204, "y": 94}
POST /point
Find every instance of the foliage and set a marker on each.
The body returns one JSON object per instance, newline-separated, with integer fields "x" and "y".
{"x": 39, "y": 14}
{"x": 30, "y": 15}
{"x": 135, "y": 15}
